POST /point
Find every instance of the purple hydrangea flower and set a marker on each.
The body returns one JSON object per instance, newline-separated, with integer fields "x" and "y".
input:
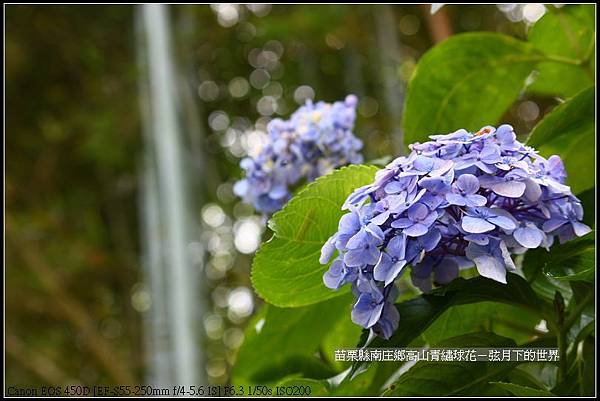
{"x": 417, "y": 221}
{"x": 492, "y": 260}
{"x": 317, "y": 139}
{"x": 482, "y": 219}
{"x": 464, "y": 192}
{"x": 459, "y": 201}
{"x": 339, "y": 274}
{"x": 368, "y": 309}
{"x": 391, "y": 261}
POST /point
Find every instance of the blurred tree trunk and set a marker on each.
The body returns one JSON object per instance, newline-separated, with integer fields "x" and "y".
{"x": 439, "y": 24}
{"x": 174, "y": 338}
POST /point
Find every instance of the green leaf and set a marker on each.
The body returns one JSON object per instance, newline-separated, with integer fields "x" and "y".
{"x": 417, "y": 314}
{"x": 583, "y": 299}
{"x": 557, "y": 79}
{"x": 369, "y": 382}
{"x": 566, "y": 34}
{"x": 535, "y": 374}
{"x": 283, "y": 341}
{"x": 523, "y": 391}
{"x": 343, "y": 335}
{"x": 286, "y": 271}
{"x": 544, "y": 286}
{"x": 454, "y": 378}
{"x": 569, "y": 131}
{"x": 459, "y": 320}
{"x": 573, "y": 261}
{"x": 502, "y": 319}
{"x": 467, "y": 81}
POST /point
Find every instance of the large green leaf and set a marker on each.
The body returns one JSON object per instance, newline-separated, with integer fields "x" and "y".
{"x": 417, "y": 314}
{"x": 283, "y": 341}
{"x": 535, "y": 374}
{"x": 369, "y": 382}
{"x": 467, "y": 81}
{"x": 342, "y": 335}
{"x": 523, "y": 391}
{"x": 569, "y": 131}
{"x": 544, "y": 286}
{"x": 505, "y": 320}
{"x": 559, "y": 79}
{"x": 454, "y": 378}
{"x": 286, "y": 271}
{"x": 573, "y": 261}
{"x": 566, "y": 34}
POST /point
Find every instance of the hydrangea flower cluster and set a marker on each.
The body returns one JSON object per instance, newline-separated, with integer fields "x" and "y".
{"x": 460, "y": 200}
{"x": 317, "y": 139}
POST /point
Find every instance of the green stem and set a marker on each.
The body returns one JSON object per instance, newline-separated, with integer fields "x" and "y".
{"x": 561, "y": 327}
{"x": 558, "y": 326}
{"x": 562, "y": 354}
{"x": 563, "y": 60}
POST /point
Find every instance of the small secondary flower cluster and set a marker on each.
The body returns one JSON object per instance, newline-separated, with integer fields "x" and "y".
{"x": 460, "y": 200}
{"x": 317, "y": 139}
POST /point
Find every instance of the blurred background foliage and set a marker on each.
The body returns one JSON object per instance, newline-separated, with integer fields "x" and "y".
{"x": 75, "y": 296}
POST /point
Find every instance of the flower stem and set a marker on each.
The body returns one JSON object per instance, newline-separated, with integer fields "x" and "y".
{"x": 561, "y": 335}
{"x": 562, "y": 354}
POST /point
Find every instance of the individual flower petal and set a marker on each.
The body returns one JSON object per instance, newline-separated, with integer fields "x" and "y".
{"x": 503, "y": 222}
{"x": 475, "y": 200}
{"x": 387, "y": 270}
{"x": 580, "y": 229}
{"x": 529, "y": 237}
{"x": 476, "y": 225}
{"x": 416, "y": 230}
{"x": 488, "y": 264}
{"x": 533, "y": 191}
{"x": 368, "y": 254}
{"x": 510, "y": 189}
{"x": 388, "y": 322}
{"x": 334, "y": 277}
{"x": 456, "y": 199}
{"x": 479, "y": 239}
{"x": 418, "y": 212}
{"x": 327, "y": 250}
{"x": 467, "y": 184}
{"x": 367, "y": 310}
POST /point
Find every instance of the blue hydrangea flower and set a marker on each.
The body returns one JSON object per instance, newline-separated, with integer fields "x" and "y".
{"x": 391, "y": 261}
{"x": 315, "y": 140}
{"x": 459, "y": 201}
{"x": 479, "y": 220}
{"x": 464, "y": 192}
